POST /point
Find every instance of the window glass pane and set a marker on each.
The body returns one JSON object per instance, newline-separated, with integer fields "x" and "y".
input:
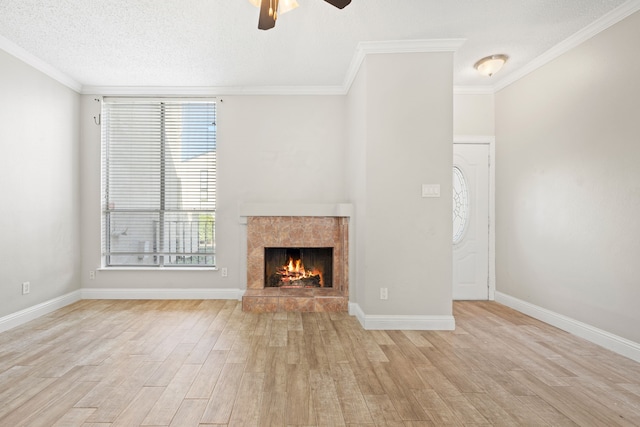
{"x": 159, "y": 182}
{"x": 460, "y": 205}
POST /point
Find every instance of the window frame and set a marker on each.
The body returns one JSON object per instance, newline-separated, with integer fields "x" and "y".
{"x": 157, "y": 251}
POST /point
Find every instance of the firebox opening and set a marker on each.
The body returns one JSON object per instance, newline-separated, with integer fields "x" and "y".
{"x": 298, "y": 267}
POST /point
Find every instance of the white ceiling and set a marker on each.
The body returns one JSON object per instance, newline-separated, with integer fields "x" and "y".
{"x": 216, "y": 43}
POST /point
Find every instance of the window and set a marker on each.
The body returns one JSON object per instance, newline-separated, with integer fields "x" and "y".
{"x": 158, "y": 182}
{"x": 460, "y": 205}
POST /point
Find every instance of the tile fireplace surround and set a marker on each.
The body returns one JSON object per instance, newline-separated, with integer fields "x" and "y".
{"x": 296, "y": 231}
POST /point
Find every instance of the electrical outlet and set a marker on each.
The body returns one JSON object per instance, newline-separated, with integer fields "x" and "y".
{"x": 225, "y": 272}
{"x": 26, "y": 288}
{"x": 384, "y": 293}
{"x": 92, "y": 274}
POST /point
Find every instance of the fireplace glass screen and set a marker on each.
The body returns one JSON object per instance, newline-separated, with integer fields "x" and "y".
{"x": 298, "y": 267}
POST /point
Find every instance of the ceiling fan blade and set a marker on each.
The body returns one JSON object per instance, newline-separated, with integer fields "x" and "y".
{"x": 265, "y": 22}
{"x": 340, "y": 4}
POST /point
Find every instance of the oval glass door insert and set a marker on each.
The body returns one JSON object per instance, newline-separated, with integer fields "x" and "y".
{"x": 460, "y": 205}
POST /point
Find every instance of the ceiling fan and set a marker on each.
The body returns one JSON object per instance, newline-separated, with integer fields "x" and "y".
{"x": 271, "y": 9}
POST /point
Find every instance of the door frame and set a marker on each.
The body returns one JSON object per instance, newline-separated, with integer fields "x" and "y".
{"x": 491, "y": 142}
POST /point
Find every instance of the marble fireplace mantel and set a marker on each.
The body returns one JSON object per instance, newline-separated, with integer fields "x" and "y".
{"x": 246, "y": 210}
{"x": 300, "y": 225}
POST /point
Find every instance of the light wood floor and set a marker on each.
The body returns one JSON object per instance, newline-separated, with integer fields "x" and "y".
{"x": 190, "y": 363}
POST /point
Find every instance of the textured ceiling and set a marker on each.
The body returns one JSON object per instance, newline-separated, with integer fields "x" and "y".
{"x": 216, "y": 42}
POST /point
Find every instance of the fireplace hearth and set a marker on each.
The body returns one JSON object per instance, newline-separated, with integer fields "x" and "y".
{"x": 297, "y": 264}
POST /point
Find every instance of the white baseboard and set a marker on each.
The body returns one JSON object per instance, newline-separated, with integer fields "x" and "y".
{"x": 597, "y": 336}
{"x": 157, "y": 293}
{"x": 402, "y": 322}
{"x": 31, "y": 313}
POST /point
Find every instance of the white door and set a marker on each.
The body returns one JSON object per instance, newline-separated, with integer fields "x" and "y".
{"x": 470, "y": 221}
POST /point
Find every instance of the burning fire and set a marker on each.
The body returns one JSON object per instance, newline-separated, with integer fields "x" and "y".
{"x": 294, "y": 271}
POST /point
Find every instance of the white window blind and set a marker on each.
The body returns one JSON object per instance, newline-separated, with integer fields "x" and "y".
{"x": 158, "y": 182}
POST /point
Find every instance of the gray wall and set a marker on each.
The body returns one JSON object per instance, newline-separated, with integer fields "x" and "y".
{"x": 474, "y": 114}
{"x": 288, "y": 149}
{"x": 373, "y": 148}
{"x": 39, "y": 206}
{"x": 400, "y": 133}
{"x": 568, "y": 183}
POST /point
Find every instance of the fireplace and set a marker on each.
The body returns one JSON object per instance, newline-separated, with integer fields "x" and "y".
{"x": 298, "y": 267}
{"x": 279, "y": 248}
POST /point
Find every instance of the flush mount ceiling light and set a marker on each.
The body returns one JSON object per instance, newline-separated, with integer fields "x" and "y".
{"x": 490, "y": 65}
{"x": 271, "y": 9}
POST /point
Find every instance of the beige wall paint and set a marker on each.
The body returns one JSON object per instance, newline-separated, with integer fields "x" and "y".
{"x": 568, "y": 184}
{"x": 39, "y": 212}
{"x": 474, "y": 114}
{"x": 356, "y": 174}
{"x": 288, "y": 149}
{"x": 293, "y": 149}
{"x": 403, "y": 127}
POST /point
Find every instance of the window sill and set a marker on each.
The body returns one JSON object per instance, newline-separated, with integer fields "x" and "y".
{"x": 134, "y": 268}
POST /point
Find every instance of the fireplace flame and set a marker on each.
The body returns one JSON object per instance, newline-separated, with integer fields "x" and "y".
{"x": 294, "y": 271}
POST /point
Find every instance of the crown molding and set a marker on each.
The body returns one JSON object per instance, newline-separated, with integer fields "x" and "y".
{"x": 362, "y": 50}
{"x": 13, "y": 49}
{"x": 209, "y": 90}
{"x": 616, "y": 15}
{"x": 396, "y": 46}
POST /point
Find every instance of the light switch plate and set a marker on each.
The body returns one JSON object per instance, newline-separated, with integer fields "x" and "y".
{"x": 430, "y": 190}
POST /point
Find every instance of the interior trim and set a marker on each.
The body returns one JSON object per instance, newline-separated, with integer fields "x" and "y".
{"x": 402, "y": 322}
{"x": 13, "y": 49}
{"x": 364, "y": 48}
{"x": 597, "y": 336}
{"x": 616, "y": 15}
{"x": 21, "y": 317}
{"x": 161, "y": 293}
{"x": 491, "y": 142}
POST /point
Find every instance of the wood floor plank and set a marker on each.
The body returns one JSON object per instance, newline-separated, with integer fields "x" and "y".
{"x": 383, "y": 411}
{"x": 279, "y": 333}
{"x": 162, "y": 362}
{"x": 203, "y": 347}
{"x": 571, "y": 403}
{"x": 170, "y": 366}
{"x": 275, "y": 379}
{"x": 272, "y": 409}
{"x": 74, "y": 417}
{"x": 223, "y": 397}
{"x": 257, "y": 357}
{"x": 55, "y": 408}
{"x": 325, "y": 399}
{"x": 352, "y": 402}
{"x": 401, "y": 368}
{"x": 171, "y": 398}
{"x": 246, "y": 410}
{"x": 502, "y": 392}
{"x": 21, "y": 392}
{"x": 25, "y": 408}
{"x": 296, "y": 348}
{"x": 403, "y": 399}
{"x": 189, "y": 413}
{"x": 208, "y": 375}
{"x": 438, "y": 410}
{"x": 138, "y": 409}
{"x": 298, "y": 407}
{"x": 120, "y": 396}
{"x": 410, "y": 351}
{"x": 537, "y": 408}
